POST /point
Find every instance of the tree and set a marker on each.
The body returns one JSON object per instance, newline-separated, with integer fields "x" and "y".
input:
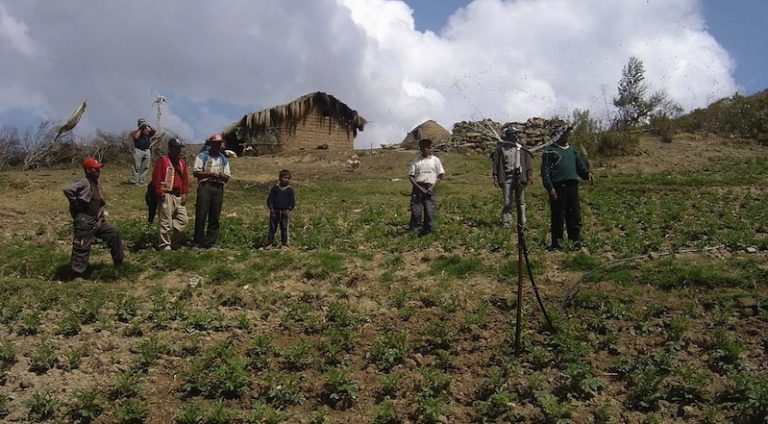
{"x": 633, "y": 103}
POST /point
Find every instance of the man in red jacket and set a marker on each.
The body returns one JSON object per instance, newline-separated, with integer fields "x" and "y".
{"x": 170, "y": 181}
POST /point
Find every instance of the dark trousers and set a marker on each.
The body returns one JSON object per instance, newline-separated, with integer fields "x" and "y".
{"x": 422, "y": 205}
{"x": 278, "y": 218}
{"x": 565, "y": 207}
{"x": 84, "y": 232}
{"x": 210, "y": 196}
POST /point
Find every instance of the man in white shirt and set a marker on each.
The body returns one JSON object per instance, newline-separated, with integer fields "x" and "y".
{"x": 425, "y": 174}
{"x": 212, "y": 171}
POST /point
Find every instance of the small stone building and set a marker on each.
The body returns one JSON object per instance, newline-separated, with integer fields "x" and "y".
{"x": 313, "y": 121}
{"x": 428, "y": 129}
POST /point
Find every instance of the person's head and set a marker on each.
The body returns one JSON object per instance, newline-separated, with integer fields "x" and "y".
{"x": 175, "y": 145}
{"x": 510, "y": 133}
{"x": 92, "y": 167}
{"x": 214, "y": 142}
{"x": 142, "y": 123}
{"x": 425, "y": 147}
{"x": 284, "y": 177}
{"x": 562, "y": 135}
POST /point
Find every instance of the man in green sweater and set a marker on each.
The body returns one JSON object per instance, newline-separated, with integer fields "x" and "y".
{"x": 561, "y": 168}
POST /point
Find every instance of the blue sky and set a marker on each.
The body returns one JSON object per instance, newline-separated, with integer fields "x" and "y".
{"x": 397, "y": 63}
{"x": 741, "y": 26}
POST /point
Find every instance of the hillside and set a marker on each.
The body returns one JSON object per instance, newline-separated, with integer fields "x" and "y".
{"x": 659, "y": 318}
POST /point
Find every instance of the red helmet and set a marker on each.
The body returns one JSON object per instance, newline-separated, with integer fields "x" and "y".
{"x": 215, "y": 137}
{"x": 91, "y": 163}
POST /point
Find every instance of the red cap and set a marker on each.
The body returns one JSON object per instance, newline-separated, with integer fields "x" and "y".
{"x": 215, "y": 137}
{"x": 91, "y": 163}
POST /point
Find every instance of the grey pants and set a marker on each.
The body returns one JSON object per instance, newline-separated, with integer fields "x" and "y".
{"x": 141, "y": 160}
{"x": 508, "y": 201}
{"x": 424, "y": 206}
{"x": 84, "y": 232}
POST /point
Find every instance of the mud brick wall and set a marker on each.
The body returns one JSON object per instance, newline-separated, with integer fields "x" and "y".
{"x": 317, "y": 131}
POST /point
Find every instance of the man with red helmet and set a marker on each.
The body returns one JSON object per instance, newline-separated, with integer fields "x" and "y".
{"x": 87, "y": 207}
{"x": 211, "y": 169}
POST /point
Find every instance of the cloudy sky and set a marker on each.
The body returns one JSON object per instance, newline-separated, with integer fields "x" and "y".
{"x": 398, "y": 63}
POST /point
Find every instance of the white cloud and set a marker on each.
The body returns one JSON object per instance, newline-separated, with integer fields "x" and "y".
{"x": 508, "y": 60}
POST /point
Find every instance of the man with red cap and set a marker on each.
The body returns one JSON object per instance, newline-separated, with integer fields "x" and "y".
{"x": 87, "y": 207}
{"x": 211, "y": 169}
{"x": 170, "y": 183}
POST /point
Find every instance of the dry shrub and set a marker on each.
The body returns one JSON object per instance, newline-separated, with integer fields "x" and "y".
{"x": 617, "y": 143}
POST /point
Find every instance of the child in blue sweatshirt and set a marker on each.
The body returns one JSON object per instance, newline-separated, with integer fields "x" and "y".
{"x": 281, "y": 201}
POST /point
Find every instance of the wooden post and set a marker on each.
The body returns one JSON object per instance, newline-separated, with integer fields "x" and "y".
{"x": 520, "y": 265}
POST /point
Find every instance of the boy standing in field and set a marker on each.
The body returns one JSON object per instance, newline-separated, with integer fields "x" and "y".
{"x": 280, "y": 201}
{"x": 425, "y": 174}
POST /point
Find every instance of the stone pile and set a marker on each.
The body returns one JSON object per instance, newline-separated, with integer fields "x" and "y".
{"x": 476, "y": 135}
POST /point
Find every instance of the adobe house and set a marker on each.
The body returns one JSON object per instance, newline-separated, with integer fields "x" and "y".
{"x": 316, "y": 120}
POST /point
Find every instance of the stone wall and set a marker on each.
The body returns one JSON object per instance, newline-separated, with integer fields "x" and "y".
{"x": 477, "y": 136}
{"x": 314, "y": 132}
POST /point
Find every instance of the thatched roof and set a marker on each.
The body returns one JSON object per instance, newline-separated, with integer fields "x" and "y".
{"x": 291, "y": 114}
{"x": 429, "y": 129}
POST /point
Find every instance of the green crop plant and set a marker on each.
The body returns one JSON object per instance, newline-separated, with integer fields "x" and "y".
{"x": 391, "y": 384}
{"x": 126, "y": 308}
{"x": 42, "y": 405}
{"x": 498, "y": 407}
{"x": 339, "y": 389}
{"x": 73, "y": 357}
{"x": 43, "y": 357}
{"x": 263, "y": 413}
{"x": 85, "y": 406}
{"x": 437, "y": 336}
{"x": 725, "y": 351}
{"x": 69, "y": 325}
{"x": 553, "y": 410}
{"x": 297, "y": 357}
{"x": 90, "y": 309}
{"x": 386, "y": 413}
{"x": 131, "y": 411}
{"x": 260, "y": 352}
{"x": 28, "y": 323}
{"x": 147, "y": 352}
{"x": 389, "y": 350}
{"x": 125, "y": 385}
{"x": 581, "y": 383}
{"x": 216, "y": 372}
{"x": 4, "y": 409}
{"x": 283, "y": 390}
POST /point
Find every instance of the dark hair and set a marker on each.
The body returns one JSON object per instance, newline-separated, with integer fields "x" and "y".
{"x": 425, "y": 142}
{"x": 284, "y": 173}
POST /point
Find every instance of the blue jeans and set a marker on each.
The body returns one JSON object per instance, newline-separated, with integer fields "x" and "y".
{"x": 508, "y": 201}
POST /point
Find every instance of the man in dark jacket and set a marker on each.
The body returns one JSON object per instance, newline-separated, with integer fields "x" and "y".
{"x": 561, "y": 168}
{"x": 87, "y": 206}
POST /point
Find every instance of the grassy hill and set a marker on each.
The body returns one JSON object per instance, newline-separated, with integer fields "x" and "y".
{"x": 660, "y": 317}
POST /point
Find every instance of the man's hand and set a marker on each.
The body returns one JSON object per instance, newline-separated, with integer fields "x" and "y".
{"x": 97, "y": 227}
{"x": 553, "y": 193}
{"x": 183, "y": 199}
{"x": 495, "y": 181}
{"x": 591, "y": 177}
